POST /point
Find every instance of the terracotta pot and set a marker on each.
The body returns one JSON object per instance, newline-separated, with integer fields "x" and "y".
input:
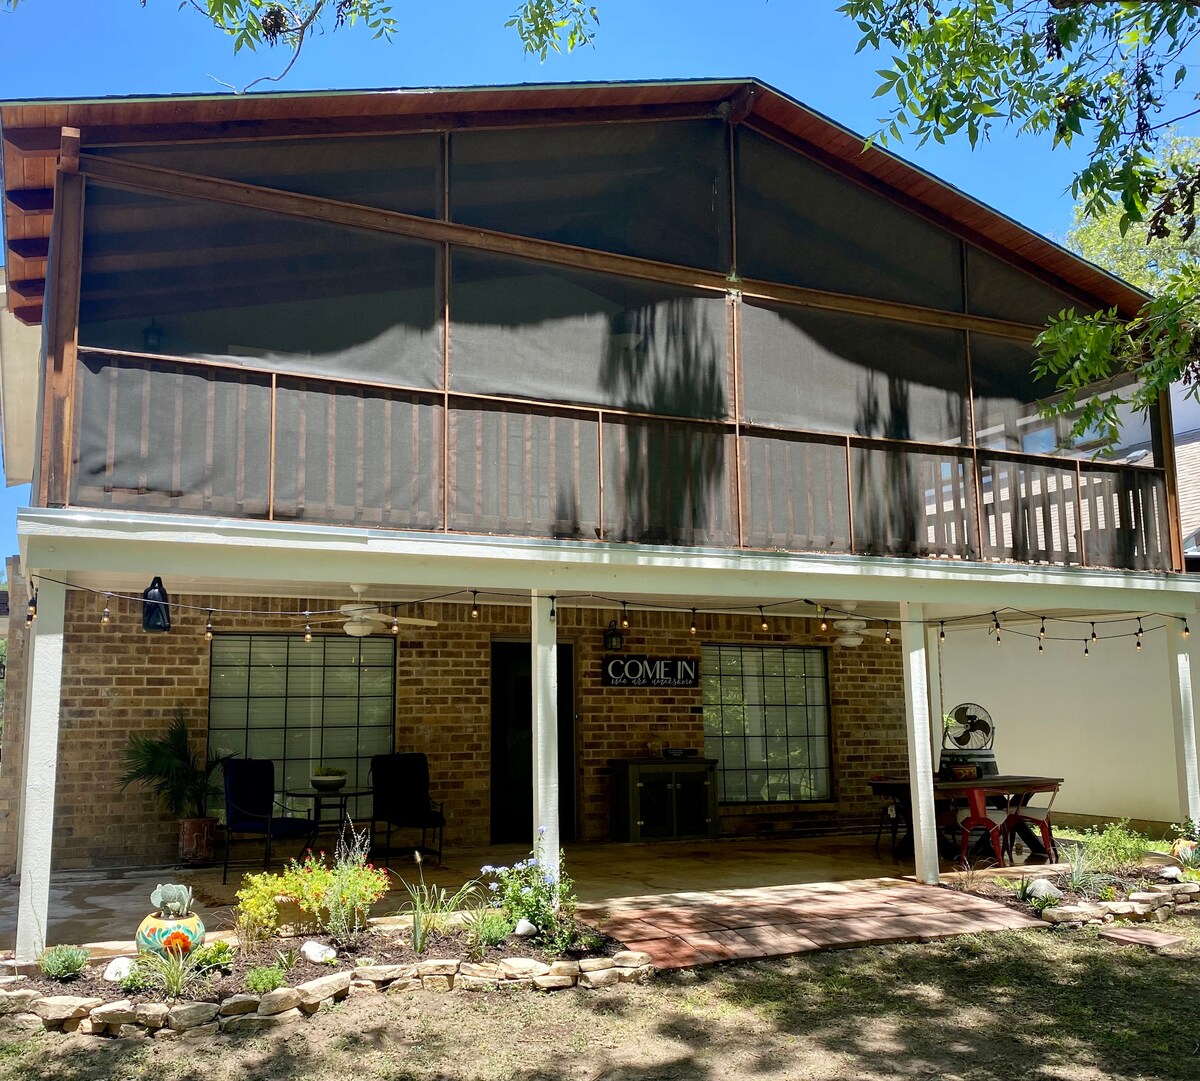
{"x": 293, "y": 920}
{"x": 197, "y": 837}
{"x": 157, "y": 935}
{"x": 1182, "y": 849}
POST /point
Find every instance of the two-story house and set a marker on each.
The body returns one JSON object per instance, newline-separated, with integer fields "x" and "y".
{"x": 537, "y": 368}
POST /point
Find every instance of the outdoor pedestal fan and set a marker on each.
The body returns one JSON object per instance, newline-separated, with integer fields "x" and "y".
{"x": 968, "y": 734}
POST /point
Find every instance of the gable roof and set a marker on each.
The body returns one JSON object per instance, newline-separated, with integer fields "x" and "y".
{"x": 31, "y": 135}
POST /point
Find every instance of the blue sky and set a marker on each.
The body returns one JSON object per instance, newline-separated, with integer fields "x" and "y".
{"x": 86, "y": 48}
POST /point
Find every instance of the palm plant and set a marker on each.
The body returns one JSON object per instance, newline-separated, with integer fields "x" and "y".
{"x": 171, "y": 768}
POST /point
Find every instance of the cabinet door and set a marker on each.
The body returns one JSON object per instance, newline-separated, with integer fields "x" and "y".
{"x": 654, "y": 788}
{"x": 692, "y": 804}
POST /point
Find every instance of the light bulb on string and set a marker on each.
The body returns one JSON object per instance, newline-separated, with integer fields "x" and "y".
{"x": 553, "y": 612}
{"x": 1139, "y": 646}
{"x": 1139, "y": 632}
{"x": 1086, "y": 651}
{"x": 307, "y": 627}
{"x": 995, "y": 624}
{"x": 692, "y": 628}
{"x": 887, "y": 632}
{"x": 942, "y": 631}
{"x": 1041, "y": 648}
{"x": 824, "y": 621}
{"x": 395, "y": 623}
{"x": 31, "y": 609}
{"x": 106, "y": 615}
{"x": 1042, "y": 630}
{"x": 624, "y": 616}
{"x": 763, "y": 619}
{"x": 1187, "y": 631}
{"x": 208, "y": 630}
{"x": 1093, "y": 632}
{"x": 474, "y": 604}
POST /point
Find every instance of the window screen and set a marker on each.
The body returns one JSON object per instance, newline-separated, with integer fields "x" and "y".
{"x": 258, "y": 289}
{"x": 766, "y": 721}
{"x": 328, "y": 702}
{"x": 539, "y": 331}
{"x": 800, "y": 223}
{"x": 1001, "y": 291}
{"x": 832, "y": 372}
{"x": 658, "y": 191}
{"x": 398, "y": 172}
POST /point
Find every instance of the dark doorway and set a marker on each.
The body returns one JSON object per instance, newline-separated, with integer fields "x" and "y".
{"x": 512, "y": 742}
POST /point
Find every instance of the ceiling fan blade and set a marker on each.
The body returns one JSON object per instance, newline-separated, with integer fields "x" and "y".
{"x": 413, "y": 621}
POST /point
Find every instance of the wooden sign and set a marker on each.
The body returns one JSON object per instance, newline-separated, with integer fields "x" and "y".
{"x": 624, "y": 670}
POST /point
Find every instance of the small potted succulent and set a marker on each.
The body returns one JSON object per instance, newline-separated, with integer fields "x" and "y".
{"x": 327, "y": 778}
{"x": 173, "y": 927}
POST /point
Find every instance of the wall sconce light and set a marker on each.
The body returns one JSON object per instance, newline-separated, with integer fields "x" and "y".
{"x": 614, "y": 640}
{"x": 152, "y": 337}
{"x": 156, "y": 607}
{"x": 3, "y": 670}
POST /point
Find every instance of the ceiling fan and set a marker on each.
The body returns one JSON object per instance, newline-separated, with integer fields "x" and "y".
{"x": 851, "y": 629}
{"x": 362, "y": 618}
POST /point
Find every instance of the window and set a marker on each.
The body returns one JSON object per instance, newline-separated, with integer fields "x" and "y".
{"x": 303, "y": 704}
{"x": 766, "y": 721}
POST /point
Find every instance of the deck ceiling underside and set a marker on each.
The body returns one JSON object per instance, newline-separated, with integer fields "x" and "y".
{"x": 32, "y": 134}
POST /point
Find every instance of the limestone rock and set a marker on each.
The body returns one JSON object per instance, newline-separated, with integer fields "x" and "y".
{"x": 476, "y": 983}
{"x": 641, "y": 974}
{"x": 630, "y": 959}
{"x": 522, "y": 968}
{"x": 152, "y": 1014}
{"x": 1154, "y": 900}
{"x": 131, "y": 1032}
{"x": 601, "y": 977}
{"x": 490, "y": 971}
{"x": 115, "y": 1013}
{"x": 71, "y": 1024}
{"x": 1072, "y": 913}
{"x": 384, "y": 973}
{"x": 280, "y": 1000}
{"x": 405, "y": 983}
{"x": 59, "y": 1008}
{"x": 117, "y": 969}
{"x": 564, "y": 968}
{"x": 17, "y": 1001}
{"x": 209, "y": 1029}
{"x": 190, "y": 1014}
{"x": 553, "y": 983}
{"x": 1186, "y": 888}
{"x": 361, "y": 987}
{"x": 437, "y": 982}
{"x": 437, "y": 967}
{"x": 317, "y": 953}
{"x": 335, "y": 985}
{"x": 596, "y": 964}
{"x": 1043, "y": 887}
{"x": 524, "y": 929}
{"x": 256, "y": 1022}
{"x": 239, "y": 1004}
{"x": 88, "y": 1027}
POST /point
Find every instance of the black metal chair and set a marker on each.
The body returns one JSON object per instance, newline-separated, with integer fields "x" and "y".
{"x": 400, "y": 798}
{"x": 250, "y": 808}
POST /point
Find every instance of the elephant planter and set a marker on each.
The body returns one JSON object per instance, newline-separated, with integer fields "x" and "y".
{"x": 174, "y": 928}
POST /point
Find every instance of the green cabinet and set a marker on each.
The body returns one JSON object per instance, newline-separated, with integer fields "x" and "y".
{"x": 663, "y": 798}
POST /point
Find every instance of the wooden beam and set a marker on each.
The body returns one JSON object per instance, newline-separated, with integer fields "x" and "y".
{"x": 160, "y": 181}
{"x": 30, "y": 316}
{"x": 742, "y": 103}
{"x": 29, "y": 247}
{"x": 28, "y": 289}
{"x": 45, "y": 142}
{"x": 32, "y": 200}
{"x": 68, "y": 154}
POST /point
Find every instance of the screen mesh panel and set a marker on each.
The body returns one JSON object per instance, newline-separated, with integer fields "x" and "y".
{"x": 800, "y": 223}
{"x": 655, "y": 190}
{"x": 1125, "y": 523}
{"x": 357, "y": 456}
{"x": 532, "y": 330}
{"x": 913, "y": 504}
{"x": 832, "y": 372}
{"x": 766, "y": 721}
{"x": 668, "y": 482}
{"x": 1030, "y": 511}
{"x": 794, "y": 493}
{"x": 258, "y": 289}
{"x": 1001, "y": 291}
{"x": 398, "y": 172}
{"x": 1008, "y": 412}
{"x": 524, "y": 472}
{"x": 171, "y": 438}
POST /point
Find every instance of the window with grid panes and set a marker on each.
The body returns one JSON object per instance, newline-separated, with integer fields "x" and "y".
{"x": 328, "y": 702}
{"x": 766, "y": 722}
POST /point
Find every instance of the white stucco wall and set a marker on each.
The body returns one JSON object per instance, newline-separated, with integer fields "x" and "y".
{"x": 1104, "y": 724}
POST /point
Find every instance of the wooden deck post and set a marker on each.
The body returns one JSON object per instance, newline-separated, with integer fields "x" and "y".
{"x": 544, "y": 642}
{"x": 920, "y": 757}
{"x": 1181, "y": 655}
{"x": 41, "y": 766}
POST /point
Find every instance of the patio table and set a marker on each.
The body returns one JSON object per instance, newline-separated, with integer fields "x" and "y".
{"x": 342, "y": 796}
{"x": 1014, "y": 789}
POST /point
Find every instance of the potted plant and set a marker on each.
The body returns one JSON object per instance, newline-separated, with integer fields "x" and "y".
{"x": 181, "y": 779}
{"x": 327, "y": 778}
{"x": 173, "y": 927}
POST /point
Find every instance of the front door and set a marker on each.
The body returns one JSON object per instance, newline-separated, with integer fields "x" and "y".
{"x": 512, "y": 743}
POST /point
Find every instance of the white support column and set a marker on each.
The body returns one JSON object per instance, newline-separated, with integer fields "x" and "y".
{"x": 545, "y": 728}
{"x": 1181, "y": 664}
{"x": 920, "y": 757}
{"x": 41, "y": 765}
{"x": 936, "y": 706}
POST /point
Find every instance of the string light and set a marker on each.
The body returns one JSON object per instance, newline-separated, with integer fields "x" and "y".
{"x": 395, "y": 623}
{"x": 106, "y": 615}
{"x": 553, "y": 613}
{"x": 31, "y": 610}
{"x": 1139, "y": 646}
{"x": 1041, "y": 648}
{"x": 1187, "y": 631}
{"x": 624, "y": 616}
{"x": 995, "y": 623}
{"x": 1042, "y": 631}
{"x": 692, "y": 628}
{"x": 1139, "y": 634}
{"x": 307, "y": 627}
{"x": 1086, "y": 651}
{"x": 942, "y": 631}
{"x": 887, "y": 632}
{"x": 824, "y": 621}
{"x": 1093, "y": 632}
{"x": 474, "y": 604}
{"x": 207, "y": 626}
{"x": 764, "y": 624}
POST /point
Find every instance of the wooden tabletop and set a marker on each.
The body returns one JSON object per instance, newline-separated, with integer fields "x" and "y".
{"x": 1004, "y": 784}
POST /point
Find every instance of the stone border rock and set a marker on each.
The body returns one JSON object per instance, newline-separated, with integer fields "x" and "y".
{"x": 284, "y": 1005}
{"x": 1156, "y": 904}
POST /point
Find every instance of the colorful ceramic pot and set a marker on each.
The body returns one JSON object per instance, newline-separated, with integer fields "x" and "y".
{"x": 158, "y": 935}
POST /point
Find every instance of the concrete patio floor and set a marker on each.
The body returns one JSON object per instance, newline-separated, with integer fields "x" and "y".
{"x": 797, "y": 886}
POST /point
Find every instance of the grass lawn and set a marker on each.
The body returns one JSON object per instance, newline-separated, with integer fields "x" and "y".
{"x": 1017, "y": 1005}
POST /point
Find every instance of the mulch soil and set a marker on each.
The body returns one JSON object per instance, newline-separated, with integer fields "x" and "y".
{"x": 381, "y": 947}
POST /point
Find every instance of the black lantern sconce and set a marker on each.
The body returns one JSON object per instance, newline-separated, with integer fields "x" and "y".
{"x": 3, "y": 670}
{"x": 614, "y": 640}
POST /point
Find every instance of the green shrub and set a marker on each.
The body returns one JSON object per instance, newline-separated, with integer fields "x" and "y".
{"x": 531, "y": 890}
{"x": 485, "y": 928}
{"x": 1106, "y": 893}
{"x": 63, "y": 962}
{"x": 171, "y": 973}
{"x": 263, "y": 979}
{"x": 1082, "y": 875}
{"x": 1040, "y": 904}
{"x": 1115, "y": 847}
{"x": 136, "y": 981}
{"x": 214, "y": 955}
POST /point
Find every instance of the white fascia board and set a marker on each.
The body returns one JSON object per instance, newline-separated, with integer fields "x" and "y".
{"x": 20, "y": 359}
{"x": 119, "y": 542}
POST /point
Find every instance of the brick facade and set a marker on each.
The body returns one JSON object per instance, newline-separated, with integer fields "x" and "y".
{"x": 118, "y": 680}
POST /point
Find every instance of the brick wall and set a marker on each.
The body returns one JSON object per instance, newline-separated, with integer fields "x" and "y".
{"x": 118, "y": 680}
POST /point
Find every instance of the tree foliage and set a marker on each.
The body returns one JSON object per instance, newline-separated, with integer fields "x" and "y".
{"x": 1108, "y": 75}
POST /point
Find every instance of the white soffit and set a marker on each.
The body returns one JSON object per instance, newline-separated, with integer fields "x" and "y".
{"x": 20, "y": 350}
